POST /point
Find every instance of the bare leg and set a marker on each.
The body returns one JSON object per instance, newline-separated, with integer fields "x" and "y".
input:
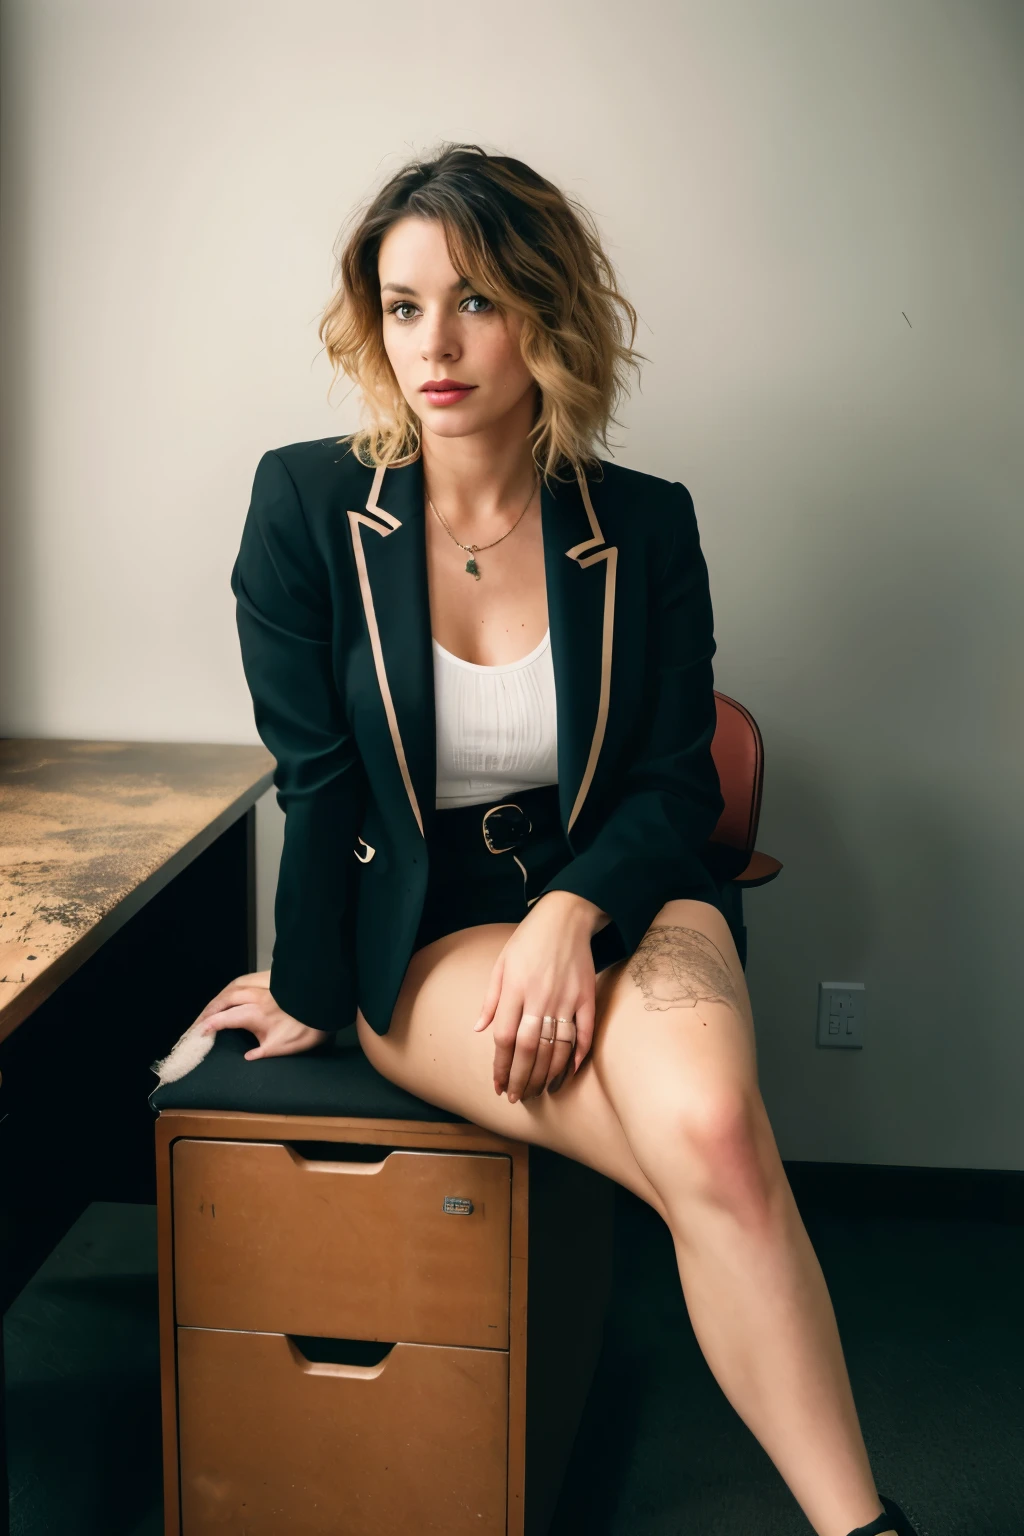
{"x": 431, "y": 1049}
{"x": 668, "y": 1105}
{"x": 679, "y": 1066}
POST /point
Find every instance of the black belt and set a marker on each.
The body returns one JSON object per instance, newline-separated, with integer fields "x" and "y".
{"x": 502, "y": 825}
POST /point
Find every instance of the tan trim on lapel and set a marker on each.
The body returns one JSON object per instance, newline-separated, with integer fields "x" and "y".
{"x": 371, "y": 500}
{"x": 610, "y": 555}
{"x": 358, "y": 521}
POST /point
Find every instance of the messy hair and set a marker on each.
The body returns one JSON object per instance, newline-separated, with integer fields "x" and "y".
{"x": 532, "y": 250}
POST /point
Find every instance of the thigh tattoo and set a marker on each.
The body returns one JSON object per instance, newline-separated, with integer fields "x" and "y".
{"x": 679, "y": 968}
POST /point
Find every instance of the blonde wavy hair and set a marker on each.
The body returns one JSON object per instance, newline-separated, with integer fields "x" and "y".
{"x": 532, "y": 250}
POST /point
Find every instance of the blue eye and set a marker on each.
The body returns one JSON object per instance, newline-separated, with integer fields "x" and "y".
{"x": 405, "y": 310}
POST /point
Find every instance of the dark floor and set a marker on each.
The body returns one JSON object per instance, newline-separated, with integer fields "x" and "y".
{"x": 929, "y": 1310}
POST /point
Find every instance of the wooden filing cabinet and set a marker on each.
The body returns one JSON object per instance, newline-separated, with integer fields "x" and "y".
{"x": 371, "y": 1327}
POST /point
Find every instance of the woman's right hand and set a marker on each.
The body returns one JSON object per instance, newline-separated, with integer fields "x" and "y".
{"x": 246, "y": 1003}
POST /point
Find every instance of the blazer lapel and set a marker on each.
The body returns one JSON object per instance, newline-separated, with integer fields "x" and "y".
{"x": 388, "y": 539}
{"x": 580, "y": 570}
{"x": 388, "y": 543}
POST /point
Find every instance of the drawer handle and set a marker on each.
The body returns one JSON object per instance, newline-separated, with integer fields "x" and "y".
{"x": 358, "y": 1359}
{"x": 334, "y": 1165}
{"x": 340, "y": 1151}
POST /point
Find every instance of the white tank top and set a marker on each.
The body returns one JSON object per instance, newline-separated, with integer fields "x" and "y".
{"x": 495, "y": 726}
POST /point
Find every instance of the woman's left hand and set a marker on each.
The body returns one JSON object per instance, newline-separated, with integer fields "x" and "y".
{"x": 546, "y": 969}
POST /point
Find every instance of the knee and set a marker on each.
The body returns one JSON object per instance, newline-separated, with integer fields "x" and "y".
{"x": 722, "y": 1152}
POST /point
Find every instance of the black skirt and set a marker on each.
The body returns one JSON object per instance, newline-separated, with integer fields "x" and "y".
{"x": 469, "y": 883}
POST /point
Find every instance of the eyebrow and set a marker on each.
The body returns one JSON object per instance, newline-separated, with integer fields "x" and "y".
{"x": 463, "y": 282}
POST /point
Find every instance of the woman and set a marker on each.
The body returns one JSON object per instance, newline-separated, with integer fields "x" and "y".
{"x": 482, "y": 660}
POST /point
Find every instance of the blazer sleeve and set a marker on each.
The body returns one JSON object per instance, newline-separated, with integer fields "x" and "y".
{"x": 646, "y": 851}
{"x": 284, "y": 618}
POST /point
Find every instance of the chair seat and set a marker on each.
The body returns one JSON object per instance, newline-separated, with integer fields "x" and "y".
{"x": 332, "y": 1079}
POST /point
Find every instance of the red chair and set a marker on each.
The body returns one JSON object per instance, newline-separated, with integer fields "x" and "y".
{"x": 738, "y": 752}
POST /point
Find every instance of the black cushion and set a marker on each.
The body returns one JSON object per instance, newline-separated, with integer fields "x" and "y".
{"x": 334, "y": 1078}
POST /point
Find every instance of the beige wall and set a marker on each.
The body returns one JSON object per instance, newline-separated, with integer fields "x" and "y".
{"x": 780, "y": 183}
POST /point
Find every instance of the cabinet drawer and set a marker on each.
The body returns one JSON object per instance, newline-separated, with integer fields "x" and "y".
{"x": 272, "y": 1442}
{"x": 414, "y": 1247}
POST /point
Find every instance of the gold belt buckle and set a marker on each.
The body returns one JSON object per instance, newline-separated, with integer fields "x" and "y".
{"x": 518, "y": 827}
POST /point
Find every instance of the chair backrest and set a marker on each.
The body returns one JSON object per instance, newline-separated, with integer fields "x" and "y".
{"x": 739, "y": 757}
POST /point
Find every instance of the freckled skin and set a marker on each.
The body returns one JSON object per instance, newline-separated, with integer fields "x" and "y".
{"x": 678, "y": 967}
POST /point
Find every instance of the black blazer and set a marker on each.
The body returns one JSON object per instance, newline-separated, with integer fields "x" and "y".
{"x": 334, "y": 624}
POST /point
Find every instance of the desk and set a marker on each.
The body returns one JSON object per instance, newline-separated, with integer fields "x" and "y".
{"x": 127, "y": 900}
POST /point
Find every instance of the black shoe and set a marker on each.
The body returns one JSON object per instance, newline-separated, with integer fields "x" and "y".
{"x": 892, "y": 1520}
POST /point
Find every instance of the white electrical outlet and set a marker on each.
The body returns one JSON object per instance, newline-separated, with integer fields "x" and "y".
{"x": 841, "y": 1013}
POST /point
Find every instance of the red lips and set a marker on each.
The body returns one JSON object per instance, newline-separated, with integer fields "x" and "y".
{"x": 445, "y": 391}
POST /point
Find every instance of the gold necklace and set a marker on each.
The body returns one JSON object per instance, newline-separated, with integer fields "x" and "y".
{"x": 471, "y": 565}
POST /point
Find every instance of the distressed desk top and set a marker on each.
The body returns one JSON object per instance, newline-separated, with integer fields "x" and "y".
{"x": 89, "y": 831}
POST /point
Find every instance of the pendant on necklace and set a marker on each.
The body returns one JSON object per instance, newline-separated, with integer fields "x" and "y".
{"x": 472, "y": 567}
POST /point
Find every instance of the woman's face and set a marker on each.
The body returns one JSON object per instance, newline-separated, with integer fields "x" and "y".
{"x": 455, "y": 355}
